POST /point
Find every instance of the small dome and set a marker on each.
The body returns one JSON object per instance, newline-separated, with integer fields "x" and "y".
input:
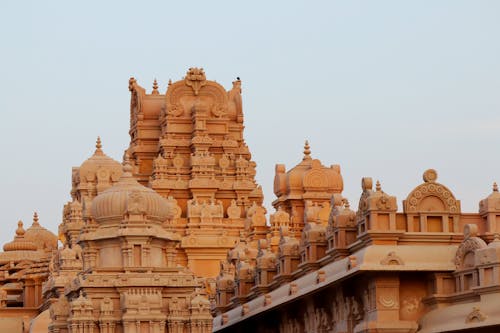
{"x": 296, "y": 174}
{"x": 20, "y": 243}
{"x": 127, "y": 195}
{"x": 495, "y": 243}
{"x": 100, "y": 165}
{"x": 311, "y": 175}
{"x": 43, "y": 238}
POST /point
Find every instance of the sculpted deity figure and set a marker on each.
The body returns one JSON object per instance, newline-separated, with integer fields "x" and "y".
{"x": 194, "y": 208}
{"x": 106, "y": 306}
{"x": 78, "y": 250}
{"x": 233, "y": 211}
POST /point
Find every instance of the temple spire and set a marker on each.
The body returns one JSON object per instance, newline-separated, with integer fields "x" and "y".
{"x": 155, "y": 88}
{"x": 98, "y": 146}
{"x": 307, "y": 151}
{"x": 35, "y": 219}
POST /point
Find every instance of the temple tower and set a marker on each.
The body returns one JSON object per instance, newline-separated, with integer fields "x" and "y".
{"x": 188, "y": 146}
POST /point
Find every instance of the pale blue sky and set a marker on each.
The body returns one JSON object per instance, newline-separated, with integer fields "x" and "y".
{"x": 386, "y": 89}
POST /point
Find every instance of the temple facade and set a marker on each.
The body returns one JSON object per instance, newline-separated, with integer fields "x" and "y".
{"x": 321, "y": 266}
{"x": 175, "y": 238}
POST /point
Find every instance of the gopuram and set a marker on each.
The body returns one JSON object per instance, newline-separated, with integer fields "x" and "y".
{"x": 175, "y": 239}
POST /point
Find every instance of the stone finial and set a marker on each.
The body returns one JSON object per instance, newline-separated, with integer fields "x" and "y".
{"x": 307, "y": 151}
{"x": 169, "y": 82}
{"x": 98, "y": 146}
{"x": 378, "y": 187}
{"x": 155, "y": 88}
{"x": 35, "y": 219}
{"x": 20, "y": 230}
{"x": 127, "y": 167}
{"x": 430, "y": 176}
{"x": 366, "y": 183}
{"x": 98, "y": 143}
{"x": 495, "y": 187}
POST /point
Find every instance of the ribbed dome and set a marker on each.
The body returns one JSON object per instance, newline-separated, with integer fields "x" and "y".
{"x": 311, "y": 175}
{"x": 296, "y": 174}
{"x": 128, "y": 195}
{"x": 41, "y": 237}
{"x": 20, "y": 243}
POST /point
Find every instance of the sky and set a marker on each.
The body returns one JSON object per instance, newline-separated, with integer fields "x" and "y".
{"x": 386, "y": 89}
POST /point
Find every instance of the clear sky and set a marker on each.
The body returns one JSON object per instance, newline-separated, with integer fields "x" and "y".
{"x": 386, "y": 89}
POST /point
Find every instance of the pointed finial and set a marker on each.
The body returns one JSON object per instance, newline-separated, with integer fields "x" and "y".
{"x": 378, "y": 187}
{"x": 169, "y": 82}
{"x": 307, "y": 151}
{"x": 98, "y": 146}
{"x": 155, "y": 88}
{"x": 35, "y": 219}
{"x": 346, "y": 204}
{"x": 495, "y": 187}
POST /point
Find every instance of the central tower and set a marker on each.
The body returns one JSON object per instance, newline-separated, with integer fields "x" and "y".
{"x": 188, "y": 146}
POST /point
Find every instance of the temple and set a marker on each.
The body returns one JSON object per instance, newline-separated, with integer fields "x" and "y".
{"x": 175, "y": 238}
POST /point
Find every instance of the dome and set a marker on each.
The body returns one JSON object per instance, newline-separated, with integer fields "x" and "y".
{"x": 311, "y": 175}
{"x": 296, "y": 174}
{"x": 100, "y": 166}
{"x": 43, "y": 238}
{"x": 127, "y": 195}
{"x": 491, "y": 203}
{"x": 20, "y": 243}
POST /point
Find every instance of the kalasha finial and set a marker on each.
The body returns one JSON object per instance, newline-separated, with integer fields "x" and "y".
{"x": 378, "y": 187}
{"x": 307, "y": 150}
{"x": 35, "y": 219}
{"x": 98, "y": 146}
{"x": 20, "y": 230}
{"x": 127, "y": 168}
{"x": 169, "y": 82}
{"x": 155, "y": 88}
{"x": 495, "y": 187}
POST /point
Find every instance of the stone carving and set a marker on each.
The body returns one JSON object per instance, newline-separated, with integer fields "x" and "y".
{"x": 392, "y": 259}
{"x": 195, "y": 78}
{"x": 106, "y": 307}
{"x": 175, "y": 210}
{"x": 411, "y": 304}
{"x": 446, "y": 202}
{"x": 475, "y": 316}
{"x": 470, "y": 244}
{"x": 60, "y": 308}
{"x": 387, "y": 302}
{"x": 233, "y": 211}
{"x": 135, "y": 204}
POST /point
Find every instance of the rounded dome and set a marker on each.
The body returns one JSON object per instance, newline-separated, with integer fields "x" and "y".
{"x": 20, "y": 243}
{"x": 127, "y": 195}
{"x": 311, "y": 175}
{"x": 295, "y": 175}
{"x": 43, "y": 238}
{"x": 100, "y": 165}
